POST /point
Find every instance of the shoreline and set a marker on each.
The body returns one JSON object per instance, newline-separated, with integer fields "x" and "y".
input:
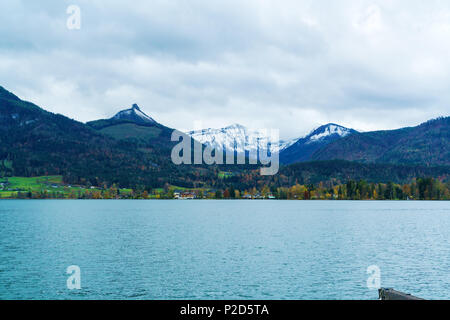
{"x": 182, "y": 200}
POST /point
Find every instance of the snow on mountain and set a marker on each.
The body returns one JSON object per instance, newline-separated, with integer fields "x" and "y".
{"x": 327, "y": 131}
{"x": 239, "y": 139}
{"x": 303, "y": 149}
{"x": 134, "y": 114}
{"x": 286, "y": 144}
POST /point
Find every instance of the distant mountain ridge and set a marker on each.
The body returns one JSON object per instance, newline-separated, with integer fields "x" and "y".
{"x": 427, "y": 144}
{"x": 304, "y": 148}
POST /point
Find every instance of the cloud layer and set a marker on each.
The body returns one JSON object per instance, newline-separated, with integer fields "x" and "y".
{"x": 266, "y": 64}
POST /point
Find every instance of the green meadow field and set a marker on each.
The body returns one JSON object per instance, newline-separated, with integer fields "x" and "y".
{"x": 13, "y": 187}
{"x": 54, "y": 187}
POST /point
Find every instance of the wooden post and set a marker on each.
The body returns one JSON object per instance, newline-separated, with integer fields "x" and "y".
{"x": 391, "y": 294}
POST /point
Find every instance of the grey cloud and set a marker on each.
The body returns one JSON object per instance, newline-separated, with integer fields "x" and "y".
{"x": 279, "y": 64}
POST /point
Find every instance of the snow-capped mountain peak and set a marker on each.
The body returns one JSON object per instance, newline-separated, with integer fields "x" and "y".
{"x": 134, "y": 114}
{"x": 328, "y": 130}
{"x": 304, "y": 148}
{"x": 238, "y": 138}
{"x": 236, "y": 126}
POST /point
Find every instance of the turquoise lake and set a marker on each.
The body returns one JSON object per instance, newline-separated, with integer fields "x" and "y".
{"x": 168, "y": 249}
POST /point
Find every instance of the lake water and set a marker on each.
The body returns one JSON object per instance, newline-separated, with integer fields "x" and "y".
{"x": 131, "y": 249}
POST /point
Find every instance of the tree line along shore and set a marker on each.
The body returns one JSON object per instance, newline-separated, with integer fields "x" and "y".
{"x": 53, "y": 187}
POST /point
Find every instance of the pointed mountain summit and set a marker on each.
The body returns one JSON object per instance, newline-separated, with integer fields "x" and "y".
{"x": 305, "y": 147}
{"x": 134, "y": 114}
{"x": 427, "y": 144}
{"x": 133, "y": 123}
{"x": 327, "y": 132}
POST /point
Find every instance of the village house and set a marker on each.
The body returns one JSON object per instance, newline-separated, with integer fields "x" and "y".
{"x": 176, "y": 194}
{"x": 184, "y": 195}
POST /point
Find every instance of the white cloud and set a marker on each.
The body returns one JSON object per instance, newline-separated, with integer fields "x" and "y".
{"x": 370, "y": 20}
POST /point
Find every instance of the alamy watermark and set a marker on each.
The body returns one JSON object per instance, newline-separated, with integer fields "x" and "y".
{"x": 74, "y": 279}
{"x": 190, "y": 151}
{"x": 73, "y": 22}
{"x": 374, "y": 279}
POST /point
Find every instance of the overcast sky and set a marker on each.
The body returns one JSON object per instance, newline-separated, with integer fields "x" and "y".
{"x": 265, "y": 64}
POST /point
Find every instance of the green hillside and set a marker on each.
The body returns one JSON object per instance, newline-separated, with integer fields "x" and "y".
{"x": 34, "y": 142}
{"x": 427, "y": 144}
{"x": 131, "y": 131}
